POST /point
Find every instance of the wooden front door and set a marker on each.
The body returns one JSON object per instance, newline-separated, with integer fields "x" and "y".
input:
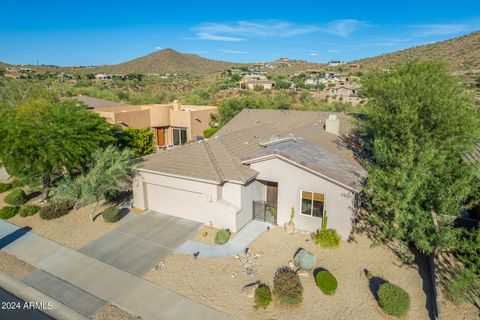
{"x": 272, "y": 193}
{"x": 161, "y": 137}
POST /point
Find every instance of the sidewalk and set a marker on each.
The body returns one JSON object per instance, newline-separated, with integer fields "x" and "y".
{"x": 134, "y": 294}
{"x": 233, "y": 247}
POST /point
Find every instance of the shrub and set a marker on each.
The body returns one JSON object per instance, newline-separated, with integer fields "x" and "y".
{"x": 393, "y": 300}
{"x": 326, "y": 282}
{"x": 222, "y": 236}
{"x": 111, "y": 214}
{"x": 8, "y": 212}
{"x": 207, "y": 133}
{"x": 111, "y": 195}
{"x": 327, "y": 238}
{"x": 304, "y": 259}
{"x": 287, "y": 286}
{"x": 56, "y": 208}
{"x": 263, "y": 296}
{"x": 26, "y": 211}
{"x": 5, "y": 187}
{"x": 464, "y": 288}
{"x": 16, "y": 198}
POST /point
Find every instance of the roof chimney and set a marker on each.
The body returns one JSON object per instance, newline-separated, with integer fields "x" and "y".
{"x": 176, "y": 105}
{"x": 332, "y": 125}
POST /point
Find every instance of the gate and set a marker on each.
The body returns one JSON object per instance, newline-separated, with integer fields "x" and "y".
{"x": 264, "y": 211}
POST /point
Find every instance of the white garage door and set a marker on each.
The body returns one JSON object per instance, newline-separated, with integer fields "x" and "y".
{"x": 176, "y": 202}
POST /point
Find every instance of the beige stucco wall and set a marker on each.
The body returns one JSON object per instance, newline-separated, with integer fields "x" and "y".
{"x": 200, "y": 121}
{"x": 200, "y": 201}
{"x": 137, "y": 118}
{"x": 160, "y": 115}
{"x": 339, "y": 202}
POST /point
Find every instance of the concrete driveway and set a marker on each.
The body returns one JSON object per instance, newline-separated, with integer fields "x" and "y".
{"x": 142, "y": 241}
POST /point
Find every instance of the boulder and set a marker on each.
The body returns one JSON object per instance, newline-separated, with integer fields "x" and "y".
{"x": 305, "y": 260}
{"x": 249, "y": 289}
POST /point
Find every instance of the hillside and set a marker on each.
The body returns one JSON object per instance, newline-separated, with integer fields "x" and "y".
{"x": 462, "y": 53}
{"x": 169, "y": 61}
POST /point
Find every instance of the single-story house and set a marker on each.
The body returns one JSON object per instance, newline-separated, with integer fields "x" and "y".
{"x": 265, "y": 84}
{"x": 344, "y": 90}
{"x": 260, "y": 165}
{"x": 173, "y": 124}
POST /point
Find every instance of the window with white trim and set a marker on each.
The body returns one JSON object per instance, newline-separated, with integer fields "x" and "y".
{"x": 313, "y": 204}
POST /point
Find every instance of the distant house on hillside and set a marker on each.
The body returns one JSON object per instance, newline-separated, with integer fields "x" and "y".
{"x": 264, "y": 84}
{"x": 335, "y": 63}
{"x": 104, "y": 76}
{"x": 311, "y": 81}
{"x": 344, "y": 90}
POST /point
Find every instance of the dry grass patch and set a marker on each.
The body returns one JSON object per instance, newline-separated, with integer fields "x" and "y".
{"x": 219, "y": 282}
{"x": 15, "y": 267}
{"x": 112, "y": 312}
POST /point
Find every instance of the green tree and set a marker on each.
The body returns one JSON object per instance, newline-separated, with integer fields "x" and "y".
{"x": 111, "y": 168}
{"x": 140, "y": 141}
{"x": 45, "y": 138}
{"x": 418, "y": 123}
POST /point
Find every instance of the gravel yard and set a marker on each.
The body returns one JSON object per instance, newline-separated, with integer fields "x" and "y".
{"x": 219, "y": 282}
{"x": 73, "y": 230}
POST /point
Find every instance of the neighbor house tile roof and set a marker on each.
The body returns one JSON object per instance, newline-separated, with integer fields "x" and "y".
{"x": 244, "y": 138}
{"x": 94, "y": 103}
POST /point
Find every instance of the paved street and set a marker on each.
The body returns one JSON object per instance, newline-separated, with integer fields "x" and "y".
{"x": 104, "y": 281}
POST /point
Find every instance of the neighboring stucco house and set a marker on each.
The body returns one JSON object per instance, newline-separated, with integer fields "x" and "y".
{"x": 265, "y": 84}
{"x": 262, "y": 159}
{"x": 344, "y": 90}
{"x": 173, "y": 124}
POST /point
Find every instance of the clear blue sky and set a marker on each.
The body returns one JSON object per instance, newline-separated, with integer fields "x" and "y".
{"x": 107, "y": 32}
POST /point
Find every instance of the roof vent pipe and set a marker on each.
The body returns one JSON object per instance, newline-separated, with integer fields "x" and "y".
{"x": 332, "y": 124}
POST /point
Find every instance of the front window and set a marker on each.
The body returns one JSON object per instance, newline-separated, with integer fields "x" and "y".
{"x": 312, "y": 204}
{"x": 179, "y": 136}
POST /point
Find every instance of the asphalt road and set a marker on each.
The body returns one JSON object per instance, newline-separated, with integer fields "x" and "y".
{"x": 7, "y": 311}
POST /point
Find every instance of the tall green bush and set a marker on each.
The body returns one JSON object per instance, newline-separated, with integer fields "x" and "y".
{"x": 16, "y": 198}
{"x": 8, "y": 212}
{"x": 393, "y": 300}
{"x": 263, "y": 296}
{"x": 326, "y": 282}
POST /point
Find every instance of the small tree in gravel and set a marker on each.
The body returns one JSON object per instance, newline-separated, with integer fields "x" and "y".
{"x": 111, "y": 168}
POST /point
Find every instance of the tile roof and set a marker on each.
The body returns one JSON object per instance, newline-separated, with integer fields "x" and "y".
{"x": 220, "y": 158}
{"x": 307, "y": 154}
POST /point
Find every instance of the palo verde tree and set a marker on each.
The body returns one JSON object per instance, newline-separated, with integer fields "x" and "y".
{"x": 418, "y": 123}
{"x": 110, "y": 168}
{"x": 140, "y": 141}
{"x": 44, "y": 138}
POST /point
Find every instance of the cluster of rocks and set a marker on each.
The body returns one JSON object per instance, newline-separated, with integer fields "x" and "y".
{"x": 159, "y": 266}
{"x": 247, "y": 261}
